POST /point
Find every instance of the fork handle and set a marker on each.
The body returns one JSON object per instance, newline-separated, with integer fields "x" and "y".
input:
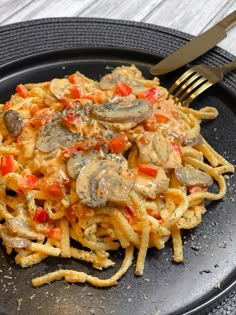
{"x": 229, "y": 21}
{"x": 229, "y": 66}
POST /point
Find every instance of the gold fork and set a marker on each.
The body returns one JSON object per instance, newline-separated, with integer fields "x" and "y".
{"x": 196, "y": 80}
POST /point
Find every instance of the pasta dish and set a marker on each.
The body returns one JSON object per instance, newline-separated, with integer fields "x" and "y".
{"x": 107, "y": 165}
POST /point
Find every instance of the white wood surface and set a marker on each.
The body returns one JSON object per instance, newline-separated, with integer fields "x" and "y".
{"x": 190, "y": 16}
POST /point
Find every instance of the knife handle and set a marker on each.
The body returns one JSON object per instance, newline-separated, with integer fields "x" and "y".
{"x": 229, "y": 21}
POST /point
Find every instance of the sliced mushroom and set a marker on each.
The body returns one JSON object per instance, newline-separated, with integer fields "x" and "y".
{"x": 190, "y": 176}
{"x": 54, "y": 134}
{"x": 13, "y": 122}
{"x": 193, "y": 141}
{"x": 78, "y": 160}
{"x": 19, "y": 226}
{"x": 58, "y": 87}
{"x": 94, "y": 185}
{"x": 117, "y": 189}
{"x": 161, "y": 145}
{"x": 136, "y": 111}
{"x": 118, "y": 158}
{"x": 12, "y": 240}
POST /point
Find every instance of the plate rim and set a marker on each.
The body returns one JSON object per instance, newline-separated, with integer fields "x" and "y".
{"x": 10, "y": 63}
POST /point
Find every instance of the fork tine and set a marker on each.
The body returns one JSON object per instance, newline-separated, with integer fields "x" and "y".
{"x": 183, "y": 77}
{"x": 196, "y": 93}
{"x": 186, "y": 85}
{"x": 191, "y": 88}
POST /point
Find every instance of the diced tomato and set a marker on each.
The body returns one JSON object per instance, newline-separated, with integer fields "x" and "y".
{"x": 161, "y": 118}
{"x": 122, "y": 89}
{"x": 177, "y": 147}
{"x": 40, "y": 215}
{"x": 56, "y": 190}
{"x": 6, "y": 106}
{"x": 196, "y": 189}
{"x": 118, "y": 143}
{"x": 7, "y": 164}
{"x": 27, "y": 182}
{"x": 75, "y": 92}
{"x": 147, "y": 169}
{"x": 151, "y": 95}
{"x": 22, "y": 90}
{"x": 55, "y": 233}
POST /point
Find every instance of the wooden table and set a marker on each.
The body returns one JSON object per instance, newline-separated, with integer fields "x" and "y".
{"x": 190, "y": 16}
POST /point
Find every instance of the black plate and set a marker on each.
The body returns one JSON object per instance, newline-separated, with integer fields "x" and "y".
{"x": 208, "y": 274}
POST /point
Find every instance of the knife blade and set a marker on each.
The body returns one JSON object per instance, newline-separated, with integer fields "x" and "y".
{"x": 196, "y": 47}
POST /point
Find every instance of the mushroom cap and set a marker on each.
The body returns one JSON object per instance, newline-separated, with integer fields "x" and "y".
{"x": 190, "y": 176}
{"x": 54, "y": 134}
{"x": 13, "y": 122}
{"x": 100, "y": 181}
{"x": 135, "y": 111}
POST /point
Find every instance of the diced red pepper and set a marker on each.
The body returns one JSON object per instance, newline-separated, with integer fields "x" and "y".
{"x": 71, "y": 215}
{"x": 177, "y": 147}
{"x": 196, "y": 189}
{"x": 122, "y": 89}
{"x": 96, "y": 97}
{"x": 70, "y": 119}
{"x": 7, "y": 164}
{"x": 22, "y": 90}
{"x": 143, "y": 140}
{"x": 68, "y": 103}
{"x": 56, "y": 190}
{"x": 151, "y": 95}
{"x": 161, "y": 118}
{"x": 55, "y": 233}
{"x": 73, "y": 78}
{"x": 88, "y": 144}
{"x": 118, "y": 143}
{"x": 128, "y": 218}
{"x": 147, "y": 169}
{"x": 42, "y": 117}
{"x": 130, "y": 210}
{"x": 40, "y": 215}
{"x": 75, "y": 92}
{"x": 6, "y": 106}
{"x": 67, "y": 153}
{"x": 27, "y": 182}
{"x": 150, "y": 124}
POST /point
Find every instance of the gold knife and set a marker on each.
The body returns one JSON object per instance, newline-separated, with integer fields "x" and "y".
{"x": 196, "y": 47}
